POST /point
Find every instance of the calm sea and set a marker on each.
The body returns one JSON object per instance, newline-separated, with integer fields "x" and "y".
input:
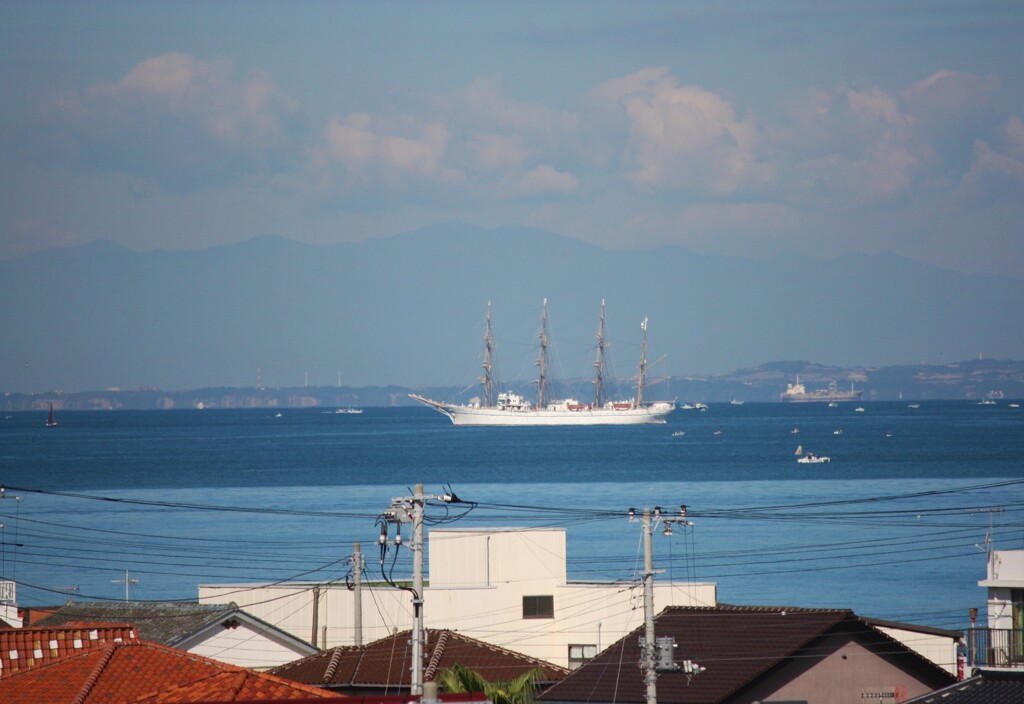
{"x": 894, "y": 527}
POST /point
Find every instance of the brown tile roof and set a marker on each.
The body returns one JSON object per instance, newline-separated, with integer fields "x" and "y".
{"x": 386, "y": 662}
{"x": 23, "y": 648}
{"x": 736, "y": 644}
{"x": 141, "y": 672}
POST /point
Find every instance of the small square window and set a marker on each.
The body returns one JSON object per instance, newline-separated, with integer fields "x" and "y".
{"x": 579, "y": 654}
{"x": 538, "y": 607}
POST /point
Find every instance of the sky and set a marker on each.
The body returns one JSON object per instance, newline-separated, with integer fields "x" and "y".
{"x": 747, "y": 129}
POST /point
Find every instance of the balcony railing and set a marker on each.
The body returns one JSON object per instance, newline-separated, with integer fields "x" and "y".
{"x": 995, "y": 647}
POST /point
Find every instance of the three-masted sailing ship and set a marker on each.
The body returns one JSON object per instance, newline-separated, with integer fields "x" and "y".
{"x": 509, "y": 408}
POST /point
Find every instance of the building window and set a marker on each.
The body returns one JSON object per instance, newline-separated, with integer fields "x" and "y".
{"x": 538, "y": 607}
{"x": 579, "y": 654}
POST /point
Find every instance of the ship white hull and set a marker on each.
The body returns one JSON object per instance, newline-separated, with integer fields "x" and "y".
{"x": 476, "y": 415}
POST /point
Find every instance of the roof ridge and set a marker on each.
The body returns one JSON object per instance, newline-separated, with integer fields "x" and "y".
{"x": 435, "y": 658}
{"x": 332, "y": 665}
{"x": 105, "y": 654}
{"x": 241, "y": 684}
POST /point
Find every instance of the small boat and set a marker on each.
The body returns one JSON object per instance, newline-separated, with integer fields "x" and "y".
{"x": 833, "y": 404}
{"x": 1013, "y": 405}
{"x": 51, "y": 422}
{"x": 914, "y": 405}
{"x": 694, "y": 407}
{"x": 837, "y": 431}
{"x": 859, "y": 409}
{"x": 736, "y": 402}
{"x": 354, "y": 411}
{"x": 718, "y": 432}
{"x": 679, "y": 433}
{"x": 277, "y": 415}
{"x": 811, "y": 458}
{"x": 794, "y": 431}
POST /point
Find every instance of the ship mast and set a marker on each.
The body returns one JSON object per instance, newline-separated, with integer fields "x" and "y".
{"x": 599, "y": 362}
{"x": 643, "y": 365}
{"x": 487, "y": 379}
{"x": 542, "y": 360}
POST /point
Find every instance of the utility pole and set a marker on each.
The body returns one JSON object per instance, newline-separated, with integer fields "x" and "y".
{"x": 133, "y": 580}
{"x": 417, "y": 593}
{"x": 316, "y": 613}
{"x": 357, "y": 589}
{"x": 650, "y": 675}
{"x": 657, "y": 655}
{"x": 410, "y": 509}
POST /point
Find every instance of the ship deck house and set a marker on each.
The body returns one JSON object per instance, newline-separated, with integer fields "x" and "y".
{"x": 505, "y": 586}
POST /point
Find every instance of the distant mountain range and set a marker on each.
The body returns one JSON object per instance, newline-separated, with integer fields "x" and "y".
{"x": 408, "y": 310}
{"x": 973, "y": 380}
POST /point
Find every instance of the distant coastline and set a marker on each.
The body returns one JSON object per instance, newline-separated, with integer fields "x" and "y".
{"x": 969, "y": 380}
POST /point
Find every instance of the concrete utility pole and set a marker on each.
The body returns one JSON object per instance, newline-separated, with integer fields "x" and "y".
{"x": 417, "y": 595}
{"x": 410, "y": 509}
{"x": 650, "y": 675}
{"x": 316, "y": 613}
{"x": 658, "y": 654}
{"x": 357, "y": 595}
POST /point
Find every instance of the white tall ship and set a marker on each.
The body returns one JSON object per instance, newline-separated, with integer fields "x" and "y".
{"x": 509, "y": 408}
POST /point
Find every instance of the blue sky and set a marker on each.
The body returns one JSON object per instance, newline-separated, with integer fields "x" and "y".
{"x": 741, "y": 128}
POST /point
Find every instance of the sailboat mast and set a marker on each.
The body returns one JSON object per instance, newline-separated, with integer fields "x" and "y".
{"x": 487, "y": 379}
{"x": 542, "y": 361}
{"x": 599, "y": 362}
{"x": 643, "y": 365}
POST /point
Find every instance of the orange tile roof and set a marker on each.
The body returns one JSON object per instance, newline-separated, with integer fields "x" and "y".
{"x": 141, "y": 672}
{"x": 24, "y": 648}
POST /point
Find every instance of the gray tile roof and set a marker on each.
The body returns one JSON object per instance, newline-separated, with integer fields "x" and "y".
{"x": 166, "y": 623}
{"x": 987, "y": 687}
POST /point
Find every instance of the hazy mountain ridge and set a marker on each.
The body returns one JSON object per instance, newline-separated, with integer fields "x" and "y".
{"x": 409, "y": 309}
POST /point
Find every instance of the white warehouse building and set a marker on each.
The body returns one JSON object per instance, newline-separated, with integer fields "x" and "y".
{"x": 505, "y": 586}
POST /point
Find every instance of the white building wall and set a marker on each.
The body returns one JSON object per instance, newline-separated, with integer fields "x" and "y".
{"x": 941, "y": 650}
{"x": 477, "y": 582}
{"x": 1005, "y": 572}
{"x": 242, "y": 646}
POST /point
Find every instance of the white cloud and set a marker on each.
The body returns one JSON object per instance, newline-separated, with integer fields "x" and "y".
{"x": 853, "y": 147}
{"x": 546, "y": 180}
{"x": 483, "y": 104}
{"x": 492, "y": 152}
{"x": 178, "y": 120}
{"x": 395, "y": 151}
{"x": 1015, "y": 134}
{"x": 683, "y": 138}
{"x": 946, "y": 95}
{"x": 205, "y": 93}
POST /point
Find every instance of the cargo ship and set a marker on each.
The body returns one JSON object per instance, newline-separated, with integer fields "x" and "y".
{"x": 798, "y": 393}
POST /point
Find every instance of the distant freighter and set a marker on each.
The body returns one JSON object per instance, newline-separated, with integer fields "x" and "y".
{"x": 797, "y": 393}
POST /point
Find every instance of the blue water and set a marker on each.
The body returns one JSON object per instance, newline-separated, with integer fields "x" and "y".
{"x": 295, "y": 492}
